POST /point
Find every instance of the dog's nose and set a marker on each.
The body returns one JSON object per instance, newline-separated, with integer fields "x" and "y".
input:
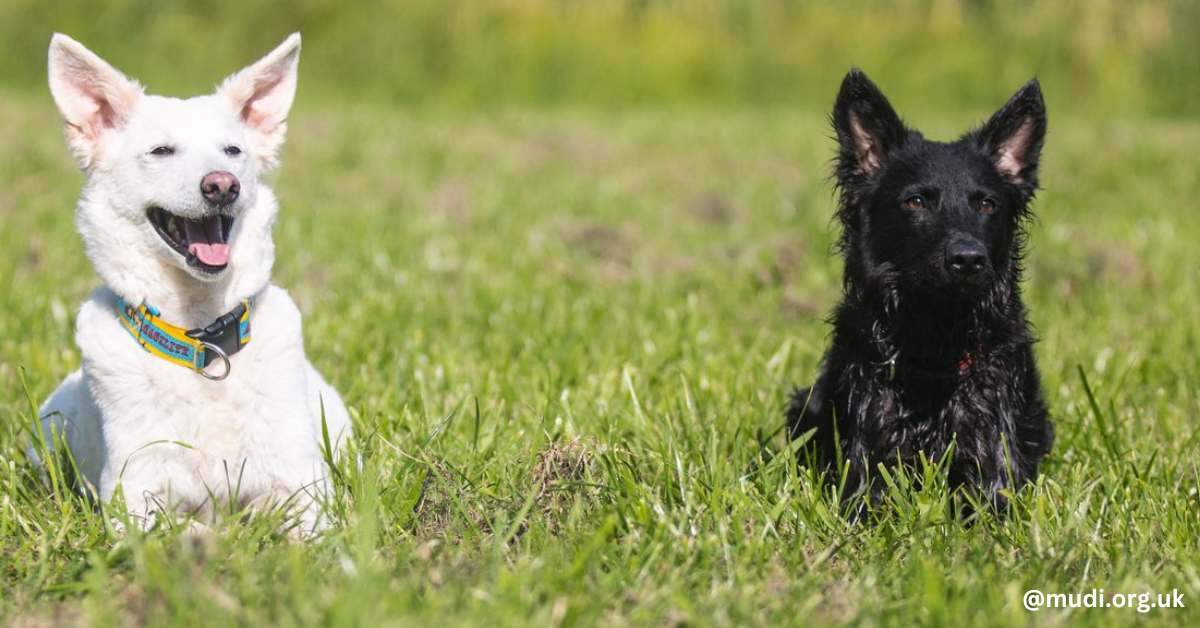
{"x": 965, "y": 259}
{"x": 220, "y": 188}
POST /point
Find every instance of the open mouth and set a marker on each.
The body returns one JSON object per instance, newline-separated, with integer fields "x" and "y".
{"x": 204, "y": 243}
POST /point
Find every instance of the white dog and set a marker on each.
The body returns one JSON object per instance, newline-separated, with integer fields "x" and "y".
{"x": 194, "y": 390}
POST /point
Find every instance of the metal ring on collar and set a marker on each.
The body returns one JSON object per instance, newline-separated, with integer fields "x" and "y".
{"x": 208, "y": 346}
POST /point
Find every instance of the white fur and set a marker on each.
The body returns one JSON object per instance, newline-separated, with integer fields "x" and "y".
{"x": 170, "y": 439}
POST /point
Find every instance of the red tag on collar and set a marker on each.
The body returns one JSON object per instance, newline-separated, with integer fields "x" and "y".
{"x": 966, "y": 362}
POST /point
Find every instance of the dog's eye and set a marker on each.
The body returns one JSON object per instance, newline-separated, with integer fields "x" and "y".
{"x": 162, "y": 151}
{"x": 987, "y": 206}
{"x": 916, "y": 201}
{"x": 233, "y": 151}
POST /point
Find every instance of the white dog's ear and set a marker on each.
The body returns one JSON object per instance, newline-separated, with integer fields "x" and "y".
{"x": 262, "y": 94}
{"x": 94, "y": 97}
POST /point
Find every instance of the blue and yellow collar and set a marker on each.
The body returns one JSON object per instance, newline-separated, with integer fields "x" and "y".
{"x": 191, "y": 348}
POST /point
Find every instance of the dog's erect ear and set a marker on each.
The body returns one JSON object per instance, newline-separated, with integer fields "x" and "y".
{"x": 262, "y": 94}
{"x": 1013, "y": 136}
{"x": 94, "y": 97}
{"x": 866, "y": 125}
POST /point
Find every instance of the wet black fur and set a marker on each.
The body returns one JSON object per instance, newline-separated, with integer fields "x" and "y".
{"x": 920, "y": 358}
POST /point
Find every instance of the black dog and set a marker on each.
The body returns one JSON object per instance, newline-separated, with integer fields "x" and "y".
{"x": 930, "y": 347}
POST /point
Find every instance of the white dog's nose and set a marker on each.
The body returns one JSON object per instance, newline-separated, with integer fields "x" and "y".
{"x": 220, "y": 188}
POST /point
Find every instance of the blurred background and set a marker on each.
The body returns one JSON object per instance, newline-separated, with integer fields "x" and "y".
{"x": 1101, "y": 57}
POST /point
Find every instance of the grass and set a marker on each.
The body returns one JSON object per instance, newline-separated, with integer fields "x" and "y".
{"x": 567, "y": 336}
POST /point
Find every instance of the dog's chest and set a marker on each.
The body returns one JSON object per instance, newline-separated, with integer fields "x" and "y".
{"x": 258, "y": 413}
{"x": 905, "y": 418}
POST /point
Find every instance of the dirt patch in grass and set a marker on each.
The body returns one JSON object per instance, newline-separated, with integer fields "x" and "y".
{"x": 602, "y": 242}
{"x": 50, "y": 616}
{"x": 609, "y": 250}
{"x": 446, "y": 498}
{"x": 562, "y": 473}
{"x": 712, "y": 208}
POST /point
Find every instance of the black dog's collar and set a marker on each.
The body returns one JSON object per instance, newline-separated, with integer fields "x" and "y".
{"x": 961, "y": 368}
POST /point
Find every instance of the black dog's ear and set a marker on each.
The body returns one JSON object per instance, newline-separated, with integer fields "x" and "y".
{"x": 1013, "y": 136}
{"x": 866, "y": 125}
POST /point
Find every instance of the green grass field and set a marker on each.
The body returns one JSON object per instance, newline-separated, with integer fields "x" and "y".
{"x": 567, "y": 334}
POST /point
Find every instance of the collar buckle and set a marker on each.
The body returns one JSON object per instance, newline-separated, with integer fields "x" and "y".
{"x": 220, "y": 339}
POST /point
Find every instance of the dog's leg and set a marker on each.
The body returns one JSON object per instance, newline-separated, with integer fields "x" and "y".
{"x": 313, "y": 520}
{"x": 1034, "y": 430}
{"x": 69, "y": 416}
{"x": 810, "y": 410}
{"x": 302, "y": 506}
{"x": 148, "y": 504}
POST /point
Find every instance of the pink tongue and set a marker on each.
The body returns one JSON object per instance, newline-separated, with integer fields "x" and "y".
{"x": 211, "y": 254}
{"x": 206, "y": 241}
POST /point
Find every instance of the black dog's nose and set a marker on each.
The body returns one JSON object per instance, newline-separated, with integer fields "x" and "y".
{"x": 220, "y": 188}
{"x": 965, "y": 259}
